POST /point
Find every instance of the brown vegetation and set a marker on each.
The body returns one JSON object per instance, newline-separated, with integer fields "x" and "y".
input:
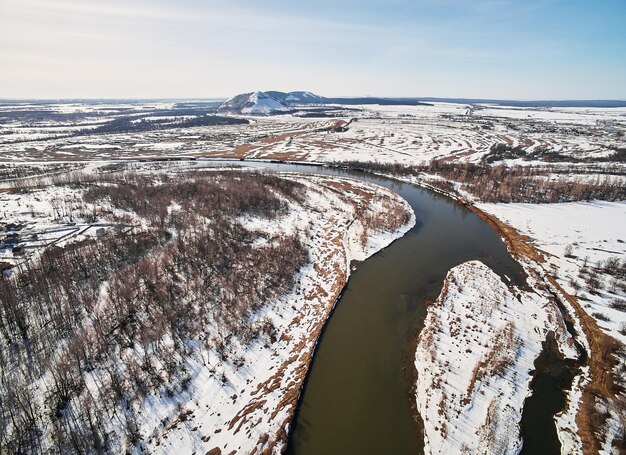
{"x": 127, "y": 310}
{"x": 500, "y": 355}
{"x": 605, "y": 351}
{"x": 513, "y": 184}
{"x": 605, "y": 388}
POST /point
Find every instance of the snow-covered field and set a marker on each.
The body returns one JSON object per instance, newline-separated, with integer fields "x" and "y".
{"x": 402, "y": 134}
{"x": 594, "y": 231}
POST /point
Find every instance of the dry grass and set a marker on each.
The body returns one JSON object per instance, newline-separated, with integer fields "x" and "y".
{"x": 500, "y": 356}
{"x": 604, "y": 386}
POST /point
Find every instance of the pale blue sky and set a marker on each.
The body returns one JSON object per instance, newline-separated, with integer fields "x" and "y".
{"x": 519, "y": 49}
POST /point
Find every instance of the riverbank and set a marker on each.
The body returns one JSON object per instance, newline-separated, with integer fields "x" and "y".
{"x": 528, "y": 255}
{"x": 596, "y": 411}
{"x": 239, "y": 382}
{"x": 537, "y": 278}
{"x": 255, "y": 413}
{"x": 593, "y": 418}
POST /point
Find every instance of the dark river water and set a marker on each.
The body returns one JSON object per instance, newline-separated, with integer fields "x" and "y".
{"x": 357, "y": 397}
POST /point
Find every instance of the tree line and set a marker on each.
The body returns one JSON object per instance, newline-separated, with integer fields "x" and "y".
{"x": 501, "y": 183}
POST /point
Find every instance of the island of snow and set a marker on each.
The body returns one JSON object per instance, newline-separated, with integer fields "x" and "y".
{"x": 474, "y": 359}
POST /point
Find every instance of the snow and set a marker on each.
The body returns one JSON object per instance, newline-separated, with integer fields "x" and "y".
{"x": 300, "y": 96}
{"x": 255, "y": 103}
{"x": 594, "y": 229}
{"x": 402, "y": 134}
{"x": 39, "y": 212}
{"x": 566, "y": 421}
{"x": 256, "y": 403}
{"x": 161, "y": 146}
{"x": 595, "y": 232}
{"x": 263, "y": 104}
{"x": 473, "y": 360}
{"x": 246, "y": 401}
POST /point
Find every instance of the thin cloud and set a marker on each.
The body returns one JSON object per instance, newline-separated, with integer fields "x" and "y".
{"x": 213, "y": 48}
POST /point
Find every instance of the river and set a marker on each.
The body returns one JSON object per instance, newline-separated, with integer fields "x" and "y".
{"x": 358, "y": 394}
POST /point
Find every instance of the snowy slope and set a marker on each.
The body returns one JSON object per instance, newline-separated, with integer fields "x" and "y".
{"x": 303, "y": 97}
{"x": 254, "y": 103}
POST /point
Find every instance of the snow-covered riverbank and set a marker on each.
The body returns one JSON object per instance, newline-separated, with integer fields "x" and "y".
{"x": 578, "y": 236}
{"x": 232, "y": 387}
{"x": 583, "y": 253}
{"x": 249, "y": 407}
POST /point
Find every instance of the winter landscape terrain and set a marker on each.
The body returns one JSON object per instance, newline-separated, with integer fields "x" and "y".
{"x": 159, "y": 295}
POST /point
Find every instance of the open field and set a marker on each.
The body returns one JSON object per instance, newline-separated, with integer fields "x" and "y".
{"x": 398, "y": 134}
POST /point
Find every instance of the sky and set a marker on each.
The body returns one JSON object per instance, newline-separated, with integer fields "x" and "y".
{"x": 505, "y": 49}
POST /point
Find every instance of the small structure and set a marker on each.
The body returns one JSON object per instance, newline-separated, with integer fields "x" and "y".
{"x": 100, "y": 232}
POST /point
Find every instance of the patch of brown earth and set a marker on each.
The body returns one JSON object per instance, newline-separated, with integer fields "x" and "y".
{"x": 240, "y": 151}
{"x": 518, "y": 244}
{"x": 285, "y": 156}
{"x": 328, "y": 269}
{"x": 342, "y": 187}
{"x": 279, "y": 138}
{"x": 506, "y": 139}
{"x": 292, "y": 393}
{"x": 323, "y": 145}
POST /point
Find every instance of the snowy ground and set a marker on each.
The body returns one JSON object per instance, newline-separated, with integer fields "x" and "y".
{"x": 45, "y": 217}
{"x": 595, "y": 232}
{"x": 245, "y": 404}
{"x": 404, "y": 134}
{"x": 393, "y": 134}
{"x": 473, "y": 360}
{"x": 253, "y": 409}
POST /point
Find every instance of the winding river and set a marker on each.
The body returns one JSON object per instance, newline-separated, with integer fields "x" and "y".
{"x": 358, "y": 394}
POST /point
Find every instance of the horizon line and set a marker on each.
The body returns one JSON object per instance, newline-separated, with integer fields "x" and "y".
{"x": 221, "y": 98}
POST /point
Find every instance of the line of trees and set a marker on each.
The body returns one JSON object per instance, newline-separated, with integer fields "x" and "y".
{"x": 510, "y": 184}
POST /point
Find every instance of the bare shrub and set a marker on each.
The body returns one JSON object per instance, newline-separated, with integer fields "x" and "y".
{"x": 618, "y": 304}
{"x": 601, "y": 317}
